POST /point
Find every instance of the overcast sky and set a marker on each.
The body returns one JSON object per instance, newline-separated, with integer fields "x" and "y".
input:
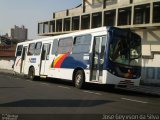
{"x": 30, "y": 12}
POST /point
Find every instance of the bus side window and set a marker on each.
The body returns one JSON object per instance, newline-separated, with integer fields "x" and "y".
{"x": 37, "y": 50}
{"x": 31, "y": 49}
{"x": 82, "y": 44}
{"x": 45, "y": 51}
{"x": 55, "y": 47}
{"x": 19, "y": 50}
{"x": 65, "y": 45}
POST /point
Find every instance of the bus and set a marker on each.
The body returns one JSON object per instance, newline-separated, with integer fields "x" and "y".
{"x": 105, "y": 55}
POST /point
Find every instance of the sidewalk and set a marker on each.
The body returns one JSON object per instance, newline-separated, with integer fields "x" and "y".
{"x": 146, "y": 89}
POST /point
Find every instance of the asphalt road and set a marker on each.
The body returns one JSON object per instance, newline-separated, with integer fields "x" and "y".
{"x": 22, "y": 96}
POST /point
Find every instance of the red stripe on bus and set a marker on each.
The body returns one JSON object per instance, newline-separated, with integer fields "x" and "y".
{"x": 60, "y": 61}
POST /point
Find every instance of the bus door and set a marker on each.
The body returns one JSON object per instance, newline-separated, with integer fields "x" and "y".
{"x": 18, "y": 59}
{"x": 44, "y": 64}
{"x": 23, "y": 62}
{"x": 98, "y": 58}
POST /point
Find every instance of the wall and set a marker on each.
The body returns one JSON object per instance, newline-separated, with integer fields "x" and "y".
{"x": 151, "y": 70}
{"x": 150, "y": 55}
{"x": 6, "y": 63}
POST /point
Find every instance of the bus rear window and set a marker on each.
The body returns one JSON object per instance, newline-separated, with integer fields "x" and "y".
{"x": 19, "y": 50}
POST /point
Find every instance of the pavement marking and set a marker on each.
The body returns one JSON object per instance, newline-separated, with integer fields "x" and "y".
{"x": 134, "y": 100}
{"x": 45, "y": 84}
{"x": 30, "y": 81}
{"x": 18, "y": 78}
{"x": 64, "y": 87}
{"x": 92, "y": 92}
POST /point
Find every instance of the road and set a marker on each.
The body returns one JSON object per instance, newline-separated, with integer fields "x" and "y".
{"x": 22, "y": 96}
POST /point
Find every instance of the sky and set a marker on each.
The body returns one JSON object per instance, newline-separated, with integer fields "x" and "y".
{"x": 30, "y": 12}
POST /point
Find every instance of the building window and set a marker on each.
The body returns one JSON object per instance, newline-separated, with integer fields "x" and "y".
{"x": 52, "y": 26}
{"x": 65, "y": 45}
{"x": 156, "y": 9}
{"x": 142, "y": 14}
{"x": 82, "y": 44}
{"x": 40, "y": 28}
{"x": 138, "y": 18}
{"x": 59, "y": 25}
{"x": 66, "y": 24}
{"x": 37, "y": 50}
{"x": 46, "y": 27}
{"x": 85, "y": 22}
{"x": 96, "y": 20}
{"x": 19, "y": 50}
{"x": 109, "y": 18}
{"x": 31, "y": 49}
{"x": 124, "y": 16}
{"x": 75, "y": 23}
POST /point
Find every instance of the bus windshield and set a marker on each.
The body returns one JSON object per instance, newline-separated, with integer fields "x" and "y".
{"x": 125, "y": 49}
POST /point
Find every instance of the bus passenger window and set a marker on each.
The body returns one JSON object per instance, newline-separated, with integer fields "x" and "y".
{"x": 65, "y": 45}
{"x": 55, "y": 47}
{"x": 48, "y": 49}
{"x": 38, "y": 48}
{"x": 31, "y": 49}
{"x": 82, "y": 44}
{"x": 19, "y": 50}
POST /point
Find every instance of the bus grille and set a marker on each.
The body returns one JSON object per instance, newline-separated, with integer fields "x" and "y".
{"x": 126, "y": 82}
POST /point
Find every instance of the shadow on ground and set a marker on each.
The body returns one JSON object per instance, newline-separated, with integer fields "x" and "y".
{"x": 102, "y": 88}
{"x": 55, "y": 103}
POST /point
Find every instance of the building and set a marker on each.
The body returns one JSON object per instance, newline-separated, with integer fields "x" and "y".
{"x": 5, "y": 40}
{"x": 141, "y": 16}
{"x": 19, "y": 33}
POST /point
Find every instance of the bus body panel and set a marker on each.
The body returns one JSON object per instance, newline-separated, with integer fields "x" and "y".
{"x": 17, "y": 64}
{"x": 109, "y": 78}
{"x": 62, "y": 73}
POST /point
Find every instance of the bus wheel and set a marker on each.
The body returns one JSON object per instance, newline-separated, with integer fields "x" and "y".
{"x": 31, "y": 73}
{"x": 79, "y": 79}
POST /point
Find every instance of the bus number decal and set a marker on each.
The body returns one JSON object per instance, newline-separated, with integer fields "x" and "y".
{"x": 32, "y": 60}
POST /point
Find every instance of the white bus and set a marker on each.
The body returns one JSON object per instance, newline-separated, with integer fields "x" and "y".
{"x": 105, "y": 55}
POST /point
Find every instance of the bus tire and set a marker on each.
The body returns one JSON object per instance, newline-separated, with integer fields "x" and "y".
{"x": 79, "y": 79}
{"x": 31, "y": 73}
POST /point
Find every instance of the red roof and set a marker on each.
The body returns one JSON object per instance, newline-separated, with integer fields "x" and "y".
{"x": 7, "y": 51}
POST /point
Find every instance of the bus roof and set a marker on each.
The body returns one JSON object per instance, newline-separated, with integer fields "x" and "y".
{"x": 68, "y": 35}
